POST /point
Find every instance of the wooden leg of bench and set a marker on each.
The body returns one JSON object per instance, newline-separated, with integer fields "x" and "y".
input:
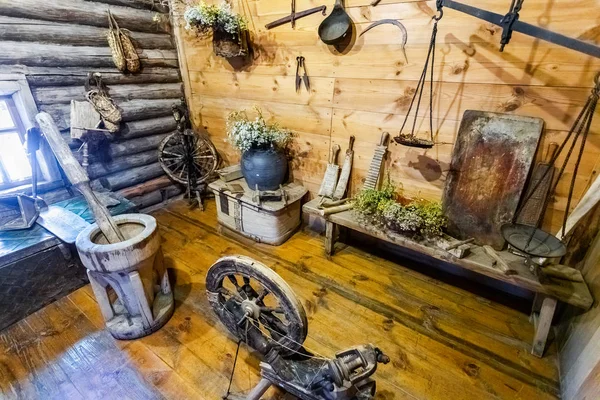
{"x": 542, "y": 327}
{"x": 329, "y": 237}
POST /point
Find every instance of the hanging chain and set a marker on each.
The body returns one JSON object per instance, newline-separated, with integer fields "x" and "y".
{"x": 581, "y": 127}
{"x": 421, "y": 83}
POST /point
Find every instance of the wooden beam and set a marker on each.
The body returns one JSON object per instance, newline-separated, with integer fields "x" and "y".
{"x": 589, "y": 200}
{"x": 64, "y": 94}
{"x": 133, "y": 110}
{"x": 146, "y": 187}
{"x": 54, "y": 55}
{"x": 543, "y": 324}
{"x": 31, "y": 30}
{"x": 147, "y": 127}
{"x": 99, "y": 169}
{"x": 84, "y": 13}
{"x": 76, "y": 76}
{"x": 157, "y": 196}
{"x": 131, "y": 177}
{"x": 153, "y": 5}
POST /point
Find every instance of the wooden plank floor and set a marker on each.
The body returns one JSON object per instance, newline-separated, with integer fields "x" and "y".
{"x": 444, "y": 342}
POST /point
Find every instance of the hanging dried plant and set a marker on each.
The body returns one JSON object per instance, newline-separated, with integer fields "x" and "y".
{"x": 124, "y": 54}
{"x": 114, "y": 41}
{"x": 131, "y": 56}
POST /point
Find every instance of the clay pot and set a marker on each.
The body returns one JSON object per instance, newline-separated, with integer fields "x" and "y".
{"x": 266, "y": 168}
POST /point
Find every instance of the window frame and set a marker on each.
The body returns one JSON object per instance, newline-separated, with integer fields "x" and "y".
{"x": 24, "y": 109}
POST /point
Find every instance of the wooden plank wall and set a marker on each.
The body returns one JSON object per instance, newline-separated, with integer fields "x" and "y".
{"x": 579, "y": 338}
{"x": 55, "y": 43}
{"x": 367, "y": 89}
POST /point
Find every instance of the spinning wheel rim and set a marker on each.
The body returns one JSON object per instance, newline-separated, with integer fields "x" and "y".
{"x": 173, "y": 161}
{"x": 291, "y": 307}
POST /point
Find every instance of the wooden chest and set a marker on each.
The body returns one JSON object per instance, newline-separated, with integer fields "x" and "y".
{"x": 271, "y": 222}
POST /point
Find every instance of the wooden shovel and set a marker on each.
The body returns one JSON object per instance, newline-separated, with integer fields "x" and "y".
{"x": 331, "y": 174}
{"x": 342, "y": 184}
{"x": 78, "y": 177}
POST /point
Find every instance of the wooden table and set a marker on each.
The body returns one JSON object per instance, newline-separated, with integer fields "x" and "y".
{"x": 547, "y": 294}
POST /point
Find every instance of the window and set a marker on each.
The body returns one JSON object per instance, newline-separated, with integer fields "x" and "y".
{"x": 17, "y": 115}
{"x": 14, "y": 165}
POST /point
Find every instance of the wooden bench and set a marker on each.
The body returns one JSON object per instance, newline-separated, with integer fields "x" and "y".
{"x": 547, "y": 294}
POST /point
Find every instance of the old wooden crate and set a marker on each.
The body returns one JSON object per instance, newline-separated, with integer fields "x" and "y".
{"x": 271, "y": 222}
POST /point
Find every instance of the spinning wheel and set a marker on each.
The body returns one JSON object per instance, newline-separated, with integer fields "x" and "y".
{"x": 187, "y": 157}
{"x": 243, "y": 291}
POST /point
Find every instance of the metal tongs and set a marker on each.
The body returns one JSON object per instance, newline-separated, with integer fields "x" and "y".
{"x": 299, "y": 79}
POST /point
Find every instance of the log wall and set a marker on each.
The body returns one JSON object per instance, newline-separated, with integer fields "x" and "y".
{"x": 367, "y": 90}
{"x": 55, "y": 43}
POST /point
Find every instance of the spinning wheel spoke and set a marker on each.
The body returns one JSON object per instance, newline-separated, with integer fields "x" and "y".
{"x": 277, "y": 310}
{"x": 262, "y": 295}
{"x": 274, "y": 323}
{"x": 234, "y": 281}
{"x": 172, "y": 155}
{"x": 230, "y": 295}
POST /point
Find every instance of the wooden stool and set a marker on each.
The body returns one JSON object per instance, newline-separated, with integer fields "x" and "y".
{"x": 134, "y": 270}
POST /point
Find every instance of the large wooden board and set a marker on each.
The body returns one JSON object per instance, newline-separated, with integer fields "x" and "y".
{"x": 490, "y": 164}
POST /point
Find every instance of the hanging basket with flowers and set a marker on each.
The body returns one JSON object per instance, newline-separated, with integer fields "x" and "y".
{"x": 229, "y": 30}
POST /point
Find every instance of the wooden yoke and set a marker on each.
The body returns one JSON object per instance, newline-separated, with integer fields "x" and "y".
{"x": 78, "y": 177}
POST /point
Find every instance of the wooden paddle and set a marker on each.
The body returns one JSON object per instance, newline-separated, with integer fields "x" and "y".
{"x": 78, "y": 177}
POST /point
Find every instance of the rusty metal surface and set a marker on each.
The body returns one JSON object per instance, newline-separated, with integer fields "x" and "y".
{"x": 490, "y": 164}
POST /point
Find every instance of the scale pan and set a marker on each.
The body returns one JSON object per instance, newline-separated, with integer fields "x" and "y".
{"x": 542, "y": 243}
{"x": 411, "y": 141}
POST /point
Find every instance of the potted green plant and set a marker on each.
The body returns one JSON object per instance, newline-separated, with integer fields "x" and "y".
{"x": 230, "y": 30}
{"x": 385, "y": 208}
{"x": 263, "y": 146}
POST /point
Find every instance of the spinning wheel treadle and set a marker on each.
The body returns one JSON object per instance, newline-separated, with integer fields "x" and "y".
{"x": 268, "y": 302}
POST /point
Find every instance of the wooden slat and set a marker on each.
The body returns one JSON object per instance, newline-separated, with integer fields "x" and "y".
{"x": 31, "y": 30}
{"x": 83, "y": 13}
{"x": 64, "y": 94}
{"x": 54, "y": 55}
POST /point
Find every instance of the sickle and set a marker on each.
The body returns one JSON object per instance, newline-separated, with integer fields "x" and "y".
{"x": 393, "y": 22}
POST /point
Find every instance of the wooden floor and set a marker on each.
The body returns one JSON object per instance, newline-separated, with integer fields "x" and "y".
{"x": 444, "y": 342}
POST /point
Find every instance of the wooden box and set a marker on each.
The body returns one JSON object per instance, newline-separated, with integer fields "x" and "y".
{"x": 271, "y": 222}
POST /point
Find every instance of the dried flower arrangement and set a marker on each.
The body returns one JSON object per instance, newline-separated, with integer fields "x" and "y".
{"x": 206, "y": 18}
{"x": 383, "y": 208}
{"x": 245, "y": 134}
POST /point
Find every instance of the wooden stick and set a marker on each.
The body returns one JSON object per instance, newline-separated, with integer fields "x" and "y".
{"x": 587, "y": 202}
{"x": 499, "y": 261}
{"x": 78, "y": 177}
{"x": 457, "y": 244}
{"x": 563, "y": 272}
{"x": 335, "y": 209}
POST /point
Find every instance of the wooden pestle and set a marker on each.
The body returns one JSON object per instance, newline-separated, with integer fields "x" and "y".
{"x": 78, "y": 177}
